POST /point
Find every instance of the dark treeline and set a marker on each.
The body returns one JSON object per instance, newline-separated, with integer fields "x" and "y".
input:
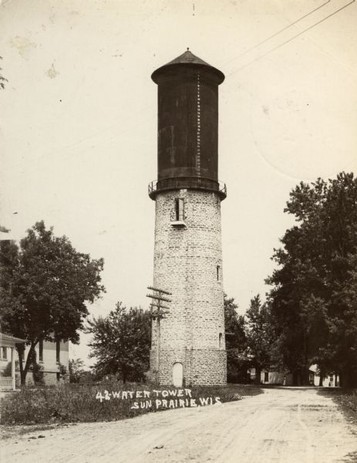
{"x": 310, "y": 314}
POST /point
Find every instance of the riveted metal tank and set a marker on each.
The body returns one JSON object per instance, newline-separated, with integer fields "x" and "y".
{"x": 187, "y": 125}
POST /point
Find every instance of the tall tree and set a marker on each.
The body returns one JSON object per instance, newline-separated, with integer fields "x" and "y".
{"x": 314, "y": 289}
{"x": 121, "y": 343}
{"x": 259, "y": 336}
{"x": 44, "y": 287}
{"x": 237, "y": 362}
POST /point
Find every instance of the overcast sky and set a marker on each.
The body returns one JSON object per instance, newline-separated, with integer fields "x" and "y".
{"x": 78, "y": 125}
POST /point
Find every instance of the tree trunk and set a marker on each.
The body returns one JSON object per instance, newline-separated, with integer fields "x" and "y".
{"x": 322, "y": 375}
{"x": 257, "y": 375}
{"x": 24, "y": 371}
{"x": 305, "y": 377}
{"x": 347, "y": 380}
{"x": 20, "y": 352}
{"x": 296, "y": 379}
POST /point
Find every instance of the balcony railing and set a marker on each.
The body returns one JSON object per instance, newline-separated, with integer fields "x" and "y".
{"x": 197, "y": 183}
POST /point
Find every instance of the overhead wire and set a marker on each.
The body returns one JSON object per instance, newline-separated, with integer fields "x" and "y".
{"x": 293, "y": 38}
{"x": 281, "y": 30}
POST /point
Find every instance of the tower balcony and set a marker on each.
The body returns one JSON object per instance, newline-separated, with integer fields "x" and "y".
{"x": 195, "y": 183}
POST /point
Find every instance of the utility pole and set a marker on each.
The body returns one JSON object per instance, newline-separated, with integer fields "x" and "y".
{"x": 158, "y": 311}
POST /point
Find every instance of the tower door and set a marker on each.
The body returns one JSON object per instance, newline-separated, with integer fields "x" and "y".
{"x": 177, "y": 374}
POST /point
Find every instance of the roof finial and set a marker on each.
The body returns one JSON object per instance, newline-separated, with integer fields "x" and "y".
{"x": 188, "y": 49}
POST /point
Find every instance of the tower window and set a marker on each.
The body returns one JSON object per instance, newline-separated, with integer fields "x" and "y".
{"x": 179, "y": 210}
{"x": 220, "y": 340}
{"x": 218, "y": 273}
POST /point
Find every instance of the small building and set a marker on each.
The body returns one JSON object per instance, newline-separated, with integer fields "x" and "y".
{"x": 332, "y": 379}
{"x": 52, "y": 357}
{"x": 8, "y": 355}
{"x": 276, "y": 377}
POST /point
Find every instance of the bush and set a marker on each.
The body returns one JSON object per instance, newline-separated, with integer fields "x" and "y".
{"x": 7, "y": 370}
{"x": 90, "y": 402}
{"x": 37, "y": 374}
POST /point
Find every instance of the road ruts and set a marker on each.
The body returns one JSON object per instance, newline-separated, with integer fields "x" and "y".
{"x": 289, "y": 425}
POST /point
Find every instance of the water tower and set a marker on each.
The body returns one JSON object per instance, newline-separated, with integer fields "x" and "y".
{"x": 188, "y": 335}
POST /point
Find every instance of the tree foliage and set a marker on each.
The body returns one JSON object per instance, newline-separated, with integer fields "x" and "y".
{"x": 237, "y": 362}
{"x": 259, "y": 335}
{"x": 314, "y": 295}
{"x": 2, "y": 79}
{"x": 45, "y": 285}
{"x": 75, "y": 370}
{"x": 121, "y": 343}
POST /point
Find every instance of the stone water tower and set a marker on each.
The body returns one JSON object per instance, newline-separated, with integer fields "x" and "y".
{"x": 188, "y": 336}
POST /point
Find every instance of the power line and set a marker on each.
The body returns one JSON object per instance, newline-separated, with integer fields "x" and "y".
{"x": 294, "y": 37}
{"x": 281, "y": 30}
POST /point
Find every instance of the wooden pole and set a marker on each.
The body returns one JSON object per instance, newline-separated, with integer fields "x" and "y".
{"x": 158, "y": 314}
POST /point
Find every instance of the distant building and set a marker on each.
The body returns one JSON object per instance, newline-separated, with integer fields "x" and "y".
{"x": 286, "y": 379}
{"x": 330, "y": 380}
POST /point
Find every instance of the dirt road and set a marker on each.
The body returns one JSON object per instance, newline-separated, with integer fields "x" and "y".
{"x": 281, "y": 425}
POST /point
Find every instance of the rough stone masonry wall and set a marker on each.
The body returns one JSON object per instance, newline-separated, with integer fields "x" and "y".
{"x": 188, "y": 263}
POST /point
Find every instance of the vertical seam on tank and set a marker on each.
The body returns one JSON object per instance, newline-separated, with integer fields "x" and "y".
{"x": 198, "y": 134}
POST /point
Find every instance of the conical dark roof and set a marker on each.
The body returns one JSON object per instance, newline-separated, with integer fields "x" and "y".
{"x": 187, "y": 58}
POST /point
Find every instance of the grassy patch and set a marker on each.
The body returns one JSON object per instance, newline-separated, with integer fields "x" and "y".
{"x": 107, "y": 401}
{"x": 346, "y": 399}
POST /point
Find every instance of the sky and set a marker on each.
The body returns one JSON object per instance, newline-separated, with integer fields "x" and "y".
{"x": 78, "y": 123}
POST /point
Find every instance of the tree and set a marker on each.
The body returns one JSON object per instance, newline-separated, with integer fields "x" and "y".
{"x": 314, "y": 289}
{"x": 121, "y": 343}
{"x": 259, "y": 335}
{"x": 75, "y": 370}
{"x": 237, "y": 362}
{"x": 44, "y": 287}
{"x": 2, "y": 79}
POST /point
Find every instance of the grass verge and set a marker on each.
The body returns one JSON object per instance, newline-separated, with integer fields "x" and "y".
{"x": 347, "y": 401}
{"x": 107, "y": 401}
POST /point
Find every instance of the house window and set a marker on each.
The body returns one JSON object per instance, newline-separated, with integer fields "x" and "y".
{"x": 266, "y": 377}
{"x": 58, "y": 351}
{"x": 179, "y": 210}
{"x": 40, "y": 351}
{"x": 4, "y": 353}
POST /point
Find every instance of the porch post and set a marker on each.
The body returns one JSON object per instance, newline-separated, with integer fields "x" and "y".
{"x": 13, "y": 380}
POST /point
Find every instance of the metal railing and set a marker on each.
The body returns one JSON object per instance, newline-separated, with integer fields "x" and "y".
{"x": 199, "y": 183}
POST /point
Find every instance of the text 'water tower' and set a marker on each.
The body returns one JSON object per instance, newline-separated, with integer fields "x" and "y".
{"x": 188, "y": 338}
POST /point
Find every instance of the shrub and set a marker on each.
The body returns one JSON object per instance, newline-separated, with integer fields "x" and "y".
{"x": 37, "y": 374}
{"x": 7, "y": 370}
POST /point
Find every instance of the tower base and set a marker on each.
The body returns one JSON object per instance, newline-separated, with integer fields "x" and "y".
{"x": 189, "y": 367}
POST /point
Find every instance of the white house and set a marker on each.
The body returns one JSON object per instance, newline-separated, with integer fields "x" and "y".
{"x": 8, "y": 355}
{"x": 50, "y": 356}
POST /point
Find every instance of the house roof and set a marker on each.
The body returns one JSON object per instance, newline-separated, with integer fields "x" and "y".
{"x": 10, "y": 341}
